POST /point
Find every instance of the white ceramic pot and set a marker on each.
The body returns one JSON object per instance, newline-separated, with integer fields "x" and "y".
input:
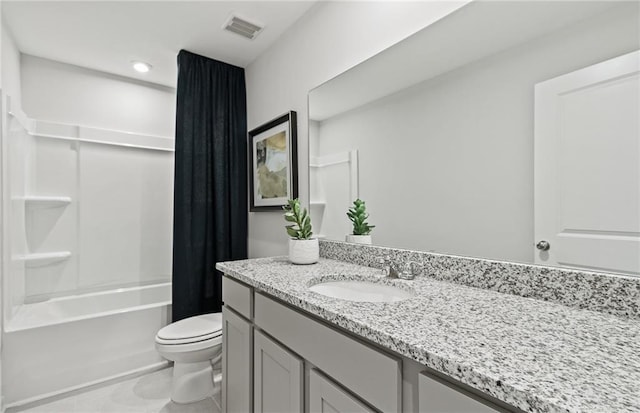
{"x": 358, "y": 239}
{"x": 304, "y": 251}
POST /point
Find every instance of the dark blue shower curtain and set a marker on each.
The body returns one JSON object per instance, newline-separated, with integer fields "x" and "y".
{"x": 210, "y": 193}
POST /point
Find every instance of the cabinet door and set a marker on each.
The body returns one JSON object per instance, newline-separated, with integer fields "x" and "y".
{"x": 437, "y": 397}
{"x": 277, "y": 377}
{"x": 368, "y": 373}
{"x": 236, "y": 363}
{"x": 326, "y": 397}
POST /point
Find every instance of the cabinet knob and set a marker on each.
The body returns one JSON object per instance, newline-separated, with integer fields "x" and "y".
{"x": 543, "y": 245}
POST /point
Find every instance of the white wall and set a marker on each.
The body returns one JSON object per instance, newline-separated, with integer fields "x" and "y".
{"x": 141, "y": 179}
{"x": 118, "y": 226}
{"x": 331, "y": 38}
{"x": 9, "y": 84}
{"x": 10, "y": 66}
{"x": 458, "y": 149}
{"x": 2, "y": 228}
{"x": 65, "y": 93}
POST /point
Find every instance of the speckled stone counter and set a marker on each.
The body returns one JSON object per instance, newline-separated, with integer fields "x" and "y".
{"x": 536, "y": 355}
{"x": 614, "y": 294}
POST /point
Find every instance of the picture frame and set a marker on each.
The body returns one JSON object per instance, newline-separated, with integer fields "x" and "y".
{"x": 273, "y": 163}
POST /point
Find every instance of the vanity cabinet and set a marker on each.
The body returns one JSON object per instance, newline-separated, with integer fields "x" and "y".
{"x": 278, "y": 383}
{"x": 370, "y": 374}
{"x": 279, "y": 359}
{"x": 237, "y": 347}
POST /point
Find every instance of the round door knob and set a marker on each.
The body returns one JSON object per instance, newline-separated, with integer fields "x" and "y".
{"x": 543, "y": 245}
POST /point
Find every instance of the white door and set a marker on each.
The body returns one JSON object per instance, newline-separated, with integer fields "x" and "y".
{"x": 587, "y": 167}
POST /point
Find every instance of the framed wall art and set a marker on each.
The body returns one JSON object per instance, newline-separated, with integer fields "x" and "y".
{"x": 273, "y": 159}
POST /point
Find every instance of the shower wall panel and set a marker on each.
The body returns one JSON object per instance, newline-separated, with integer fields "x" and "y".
{"x": 19, "y": 150}
{"x": 49, "y": 228}
{"x": 125, "y": 216}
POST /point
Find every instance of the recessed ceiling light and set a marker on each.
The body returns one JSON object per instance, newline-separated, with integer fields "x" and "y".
{"x": 141, "y": 67}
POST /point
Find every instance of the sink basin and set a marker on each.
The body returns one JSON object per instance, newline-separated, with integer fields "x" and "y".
{"x": 363, "y": 291}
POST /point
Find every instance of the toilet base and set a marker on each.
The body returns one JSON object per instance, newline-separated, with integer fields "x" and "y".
{"x": 192, "y": 382}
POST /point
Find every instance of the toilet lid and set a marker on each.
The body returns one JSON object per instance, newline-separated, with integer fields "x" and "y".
{"x": 198, "y": 327}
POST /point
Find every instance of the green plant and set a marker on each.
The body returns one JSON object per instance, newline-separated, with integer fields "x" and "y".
{"x": 358, "y": 216}
{"x": 301, "y": 229}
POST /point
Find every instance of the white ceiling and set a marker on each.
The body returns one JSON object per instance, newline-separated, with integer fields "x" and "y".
{"x": 108, "y": 35}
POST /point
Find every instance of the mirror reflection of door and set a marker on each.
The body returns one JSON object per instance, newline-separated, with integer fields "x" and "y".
{"x": 587, "y": 167}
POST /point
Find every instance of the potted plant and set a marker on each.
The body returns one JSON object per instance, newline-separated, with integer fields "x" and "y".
{"x": 361, "y": 229}
{"x": 302, "y": 248}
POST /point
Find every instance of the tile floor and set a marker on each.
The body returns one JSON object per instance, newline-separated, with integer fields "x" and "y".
{"x": 145, "y": 394}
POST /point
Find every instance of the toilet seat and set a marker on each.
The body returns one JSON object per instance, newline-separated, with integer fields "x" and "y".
{"x": 209, "y": 345}
{"x": 191, "y": 330}
{"x": 188, "y": 340}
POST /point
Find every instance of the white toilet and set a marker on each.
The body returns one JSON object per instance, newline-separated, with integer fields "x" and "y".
{"x": 195, "y": 346}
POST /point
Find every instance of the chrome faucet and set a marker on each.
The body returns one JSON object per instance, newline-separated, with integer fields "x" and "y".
{"x": 393, "y": 269}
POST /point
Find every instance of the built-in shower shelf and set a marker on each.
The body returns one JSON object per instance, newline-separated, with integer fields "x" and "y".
{"x": 45, "y": 258}
{"x": 46, "y": 201}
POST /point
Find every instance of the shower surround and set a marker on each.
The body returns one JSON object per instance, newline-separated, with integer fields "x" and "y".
{"x": 87, "y": 214}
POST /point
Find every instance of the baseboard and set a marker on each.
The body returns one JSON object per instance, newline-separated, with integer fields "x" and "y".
{"x": 82, "y": 388}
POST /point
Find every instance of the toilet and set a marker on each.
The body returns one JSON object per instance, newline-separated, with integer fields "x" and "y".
{"x": 195, "y": 346}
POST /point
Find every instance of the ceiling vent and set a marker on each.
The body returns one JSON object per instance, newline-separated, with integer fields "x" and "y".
{"x": 242, "y": 27}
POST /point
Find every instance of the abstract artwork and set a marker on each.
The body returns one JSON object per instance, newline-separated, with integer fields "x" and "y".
{"x": 273, "y": 161}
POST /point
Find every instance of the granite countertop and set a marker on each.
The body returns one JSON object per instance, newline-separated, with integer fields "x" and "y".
{"x": 534, "y": 355}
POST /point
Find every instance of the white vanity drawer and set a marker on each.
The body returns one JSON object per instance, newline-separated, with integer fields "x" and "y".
{"x": 374, "y": 376}
{"x": 237, "y": 296}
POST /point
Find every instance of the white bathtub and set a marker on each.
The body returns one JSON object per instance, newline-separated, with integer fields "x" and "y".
{"x": 67, "y": 343}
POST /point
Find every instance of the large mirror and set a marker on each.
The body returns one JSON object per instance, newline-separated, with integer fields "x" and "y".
{"x": 500, "y": 127}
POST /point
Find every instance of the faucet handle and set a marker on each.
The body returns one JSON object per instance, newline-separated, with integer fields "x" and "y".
{"x": 415, "y": 268}
{"x": 412, "y": 268}
{"x": 385, "y": 262}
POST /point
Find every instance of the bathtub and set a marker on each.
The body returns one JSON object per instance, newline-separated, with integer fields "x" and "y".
{"x": 67, "y": 343}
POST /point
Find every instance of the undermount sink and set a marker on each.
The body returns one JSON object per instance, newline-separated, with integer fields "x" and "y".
{"x": 363, "y": 291}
